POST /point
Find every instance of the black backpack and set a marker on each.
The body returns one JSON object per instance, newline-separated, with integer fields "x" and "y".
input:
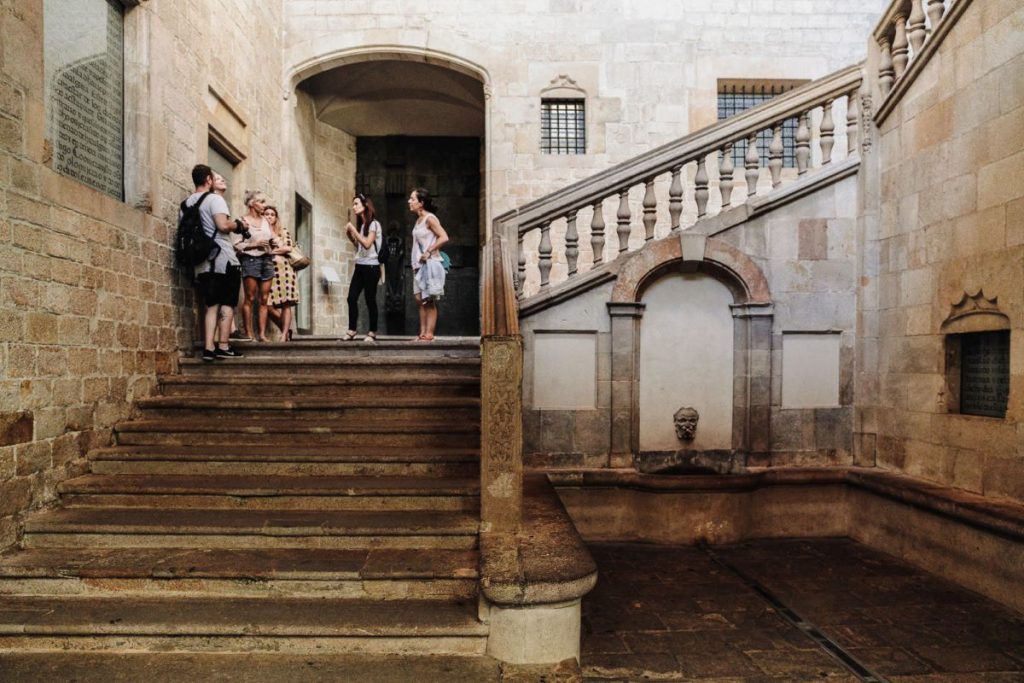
{"x": 383, "y": 251}
{"x": 193, "y": 245}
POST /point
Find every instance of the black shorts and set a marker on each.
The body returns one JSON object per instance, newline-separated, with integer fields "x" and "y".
{"x": 220, "y": 289}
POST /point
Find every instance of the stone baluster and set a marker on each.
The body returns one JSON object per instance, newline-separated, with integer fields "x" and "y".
{"x": 852, "y": 114}
{"x": 916, "y": 30}
{"x": 544, "y": 253}
{"x": 597, "y": 232}
{"x": 675, "y": 198}
{"x": 803, "y": 145}
{"x": 725, "y": 176}
{"x": 936, "y": 8}
{"x": 572, "y": 241}
{"x": 900, "y": 47}
{"x": 775, "y": 151}
{"x": 700, "y": 183}
{"x": 751, "y": 162}
{"x": 650, "y": 210}
{"x": 827, "y": 129}
{"x": 622, "y": 216}
{"x": 521, "y": 269}
{"x": 886, "y": 75}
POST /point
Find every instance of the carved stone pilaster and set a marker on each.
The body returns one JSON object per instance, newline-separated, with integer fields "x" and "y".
{"x": 625, "y": 323}
{"x": 501, "y": 433}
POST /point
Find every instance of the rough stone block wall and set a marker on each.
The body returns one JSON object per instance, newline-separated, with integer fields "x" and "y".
{"x": 948, "y": 171}
{"x": 92, "y": 308}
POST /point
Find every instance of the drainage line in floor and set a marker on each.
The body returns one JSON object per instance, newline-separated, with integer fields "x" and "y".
{"x": 849, "y": 662}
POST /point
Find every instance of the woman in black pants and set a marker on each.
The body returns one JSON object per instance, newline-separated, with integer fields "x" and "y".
{"x": 367, "y": 238}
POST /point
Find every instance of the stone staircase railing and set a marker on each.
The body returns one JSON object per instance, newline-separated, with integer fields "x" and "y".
{"x": 701, "y": 176}
{"x": 907, "y": 34}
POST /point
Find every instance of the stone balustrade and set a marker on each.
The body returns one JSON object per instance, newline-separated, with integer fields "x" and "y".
{"x": 908, "y": 32}
{"x": 591, "y": 222}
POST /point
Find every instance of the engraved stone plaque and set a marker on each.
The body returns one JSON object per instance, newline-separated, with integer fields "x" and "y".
{"x": 84, "y": 91}
{"x": 984, "y": 373}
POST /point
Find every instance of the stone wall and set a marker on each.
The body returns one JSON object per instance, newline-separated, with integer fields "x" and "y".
{"x": 649, "y": 69}
{"x": 91, "y": 306}
{"x": 944, "y": 216}
{"x": 806, "y": 251}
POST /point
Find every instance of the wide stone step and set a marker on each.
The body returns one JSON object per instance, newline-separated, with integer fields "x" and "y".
{"x": 356, "y": 367}
{"x": 282, "y": 624}
{"x": 169, "y": 667}
{"x": 287, "y": 460}
{"x": 278, "y": 432}
{"x": 254, "y": 492}
{"x": 381, "y": 574}
{"x": 381, "y": 387}
{"x": 255, "y": 406}
{"x": 216, "y": 528}
{"x": 386, "y": 346}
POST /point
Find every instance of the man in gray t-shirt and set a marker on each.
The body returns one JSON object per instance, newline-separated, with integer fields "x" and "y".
{"x": 218, "y": 278}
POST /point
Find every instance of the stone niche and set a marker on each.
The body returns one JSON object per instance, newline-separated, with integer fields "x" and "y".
{"x": 686, "y": 338}
{"x": 977, "y": 357}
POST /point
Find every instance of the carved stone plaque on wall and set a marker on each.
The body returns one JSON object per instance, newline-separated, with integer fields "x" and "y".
{"x": 985, "y": 373}
{"x": 84, "y": 91}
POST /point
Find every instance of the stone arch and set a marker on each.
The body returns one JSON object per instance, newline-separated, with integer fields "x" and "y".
{"x": 717, "y": 258}
{"x": 752, "y": 319}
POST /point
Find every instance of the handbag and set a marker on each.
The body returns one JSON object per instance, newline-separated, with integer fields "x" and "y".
{"x": 297, "y": 259}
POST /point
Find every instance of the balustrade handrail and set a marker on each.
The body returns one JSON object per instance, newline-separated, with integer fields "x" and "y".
{"x": 500, "y": 315}
{"x": 684, "y": 150}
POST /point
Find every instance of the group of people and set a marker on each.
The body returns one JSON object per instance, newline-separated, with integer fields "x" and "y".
{"x": 251, "y": 255}
{"x": 428, "y": 236}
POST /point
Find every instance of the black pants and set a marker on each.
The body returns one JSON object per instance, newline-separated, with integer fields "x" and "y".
{"x": 364, "y": 281}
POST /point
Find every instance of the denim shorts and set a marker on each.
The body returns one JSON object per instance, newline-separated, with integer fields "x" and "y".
{"x": 259, "y": 267}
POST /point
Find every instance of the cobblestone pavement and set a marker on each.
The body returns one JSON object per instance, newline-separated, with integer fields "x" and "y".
{"x": 677, "y": 614}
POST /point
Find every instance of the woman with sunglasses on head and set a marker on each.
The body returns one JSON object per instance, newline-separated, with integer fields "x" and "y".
{"x": 428, "y": 236}
{"x": 367, "y": 239}
{"x": 284, "y": 288}
{"x": 254, "y": 252}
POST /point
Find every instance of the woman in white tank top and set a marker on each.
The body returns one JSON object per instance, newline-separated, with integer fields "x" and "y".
{"x": 428, "y": 236}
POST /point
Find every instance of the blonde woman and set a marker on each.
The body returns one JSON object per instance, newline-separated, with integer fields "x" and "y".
{"x": 254, "y": 253}
{"x": 284, "y": 288}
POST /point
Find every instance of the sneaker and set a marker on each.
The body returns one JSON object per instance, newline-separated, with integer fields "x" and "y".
{"x": 208, "y": 356}
{"x": 229, "y": 352}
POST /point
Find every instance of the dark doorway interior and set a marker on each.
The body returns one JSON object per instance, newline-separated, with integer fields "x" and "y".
{"x": 387, "y": 169}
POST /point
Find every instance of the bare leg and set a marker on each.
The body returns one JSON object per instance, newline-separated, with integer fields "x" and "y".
{"x": 423, "y": 315}
{"x": 251, "y": 286}
{"x": 210, "y": 327}
{"x": 227, "y": 314}
{"x": 286, "y": 322}
{"x": 264, "y": 305}
{"x": 431, "y": 315}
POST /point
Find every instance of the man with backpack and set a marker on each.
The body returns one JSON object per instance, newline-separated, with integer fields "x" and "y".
{"x": 204, "y": 241}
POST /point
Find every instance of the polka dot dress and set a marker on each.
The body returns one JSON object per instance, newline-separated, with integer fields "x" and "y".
{"x": 284, "y": 290}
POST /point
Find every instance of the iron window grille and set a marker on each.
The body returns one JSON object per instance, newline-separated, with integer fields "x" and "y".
{"x": 563, "y": 127}
{"x": 734, "y": 98}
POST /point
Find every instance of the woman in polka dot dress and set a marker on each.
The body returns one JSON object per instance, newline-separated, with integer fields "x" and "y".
{"x": 284, "y": 290}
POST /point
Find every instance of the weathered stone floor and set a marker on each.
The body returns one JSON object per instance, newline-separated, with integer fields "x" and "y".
{"x": 675, "y": 614}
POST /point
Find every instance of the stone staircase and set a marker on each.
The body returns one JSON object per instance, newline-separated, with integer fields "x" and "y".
{"x": 309, "y": 498}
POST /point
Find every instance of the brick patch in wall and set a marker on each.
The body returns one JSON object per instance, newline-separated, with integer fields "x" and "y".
{"x": 16, "y": 427}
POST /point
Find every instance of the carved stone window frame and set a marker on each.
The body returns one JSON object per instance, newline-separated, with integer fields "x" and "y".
{"x": 562, "y": 88}
{"x": 972, "y": 314}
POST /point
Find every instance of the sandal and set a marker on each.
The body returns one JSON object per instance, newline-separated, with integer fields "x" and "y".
{"x": 348, "y": 336}
{"x": 425, "y": 338}
{"x": 370, "y": 338}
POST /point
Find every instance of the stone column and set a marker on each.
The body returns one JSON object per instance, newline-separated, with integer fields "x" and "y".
{"x": 501, "y": 433}
{"x": 752, "y": 390}
{"x": 625, "y": 326}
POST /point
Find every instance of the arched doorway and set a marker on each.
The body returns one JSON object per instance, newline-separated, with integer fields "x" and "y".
{"x": 394, "y": 122}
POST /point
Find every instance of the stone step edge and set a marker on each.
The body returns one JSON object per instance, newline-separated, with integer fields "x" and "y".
{"x": 272, "y": 485}
{"x": 101, "y": 616}
{"x": 425, "y": 362}
{"x": 187, "y": 402}
{"x": 384, "y": 380}
{"x": 258, "y": 454}
{"x": 286, "y": 426}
